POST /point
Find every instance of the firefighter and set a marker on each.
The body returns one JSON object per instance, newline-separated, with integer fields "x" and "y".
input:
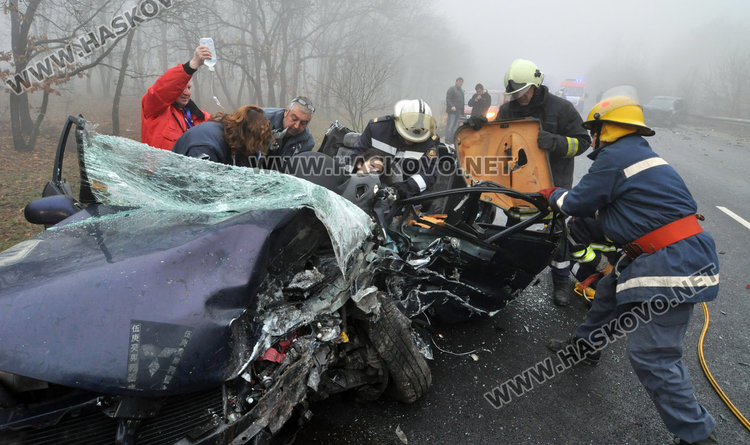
{"x": 409, "y": 144}
{"x": 561, "y": 135}
{"x": 671, "y": 264}
{"x": 593, "y": 253}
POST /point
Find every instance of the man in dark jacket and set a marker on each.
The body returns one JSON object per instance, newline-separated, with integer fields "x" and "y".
{"x": 167, "y": 110}
{"x": 480, "y": 102}
{"x": 562, "y": 135}
{"x": 290, "y": 127}
{"x": 454, "y": 106}
{"x": 645, "y": 207}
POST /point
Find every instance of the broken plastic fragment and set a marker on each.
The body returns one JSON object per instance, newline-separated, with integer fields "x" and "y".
{"x": 401, "y": 436}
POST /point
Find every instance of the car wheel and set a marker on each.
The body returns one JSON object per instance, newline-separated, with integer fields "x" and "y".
{"x": 410, "y": 376}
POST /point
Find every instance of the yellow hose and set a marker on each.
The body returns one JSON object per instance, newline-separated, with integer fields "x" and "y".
{"x": 710, "y": 377}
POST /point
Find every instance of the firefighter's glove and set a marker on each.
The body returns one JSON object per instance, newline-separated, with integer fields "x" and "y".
{"x": 547, "y": 192}
{"x": 402, "y": 190}
{"x": 385, "y": 193}
{"x": 393, "y": 193}
{"x": 476, "y": 122}
{"x": 546, "y": 140}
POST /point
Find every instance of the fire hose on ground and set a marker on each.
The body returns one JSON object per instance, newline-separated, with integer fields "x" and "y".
{"x": 710, "y": 377}
{"x": 584, "y": 289}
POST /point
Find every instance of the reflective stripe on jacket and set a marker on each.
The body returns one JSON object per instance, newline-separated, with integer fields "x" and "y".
{"x": 633, "y": 192}
{"x": 381, "y": 134}
{"x": 557, "y": 116}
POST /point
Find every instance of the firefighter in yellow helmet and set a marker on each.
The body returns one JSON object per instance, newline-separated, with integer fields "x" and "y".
{"x": 669, "y": 263}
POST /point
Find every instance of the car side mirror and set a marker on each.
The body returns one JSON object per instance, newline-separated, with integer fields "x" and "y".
{"x": 50, "y": 210}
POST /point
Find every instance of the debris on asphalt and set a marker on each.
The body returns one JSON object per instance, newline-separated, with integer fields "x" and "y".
{"x": 401, "y": 436}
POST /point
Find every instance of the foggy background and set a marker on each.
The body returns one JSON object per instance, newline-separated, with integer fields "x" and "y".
{"x": 355, "y": 59}
{"x": 690, "y": 48}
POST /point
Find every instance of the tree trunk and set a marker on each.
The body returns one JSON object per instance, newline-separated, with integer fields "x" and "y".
{"x": 120, "y": 82}
{"x": 20, "y": 121}
{"x": 20, "y": 116}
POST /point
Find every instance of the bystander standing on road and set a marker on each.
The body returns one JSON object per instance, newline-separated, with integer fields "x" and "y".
{"x": 454, "y": 107}
{"x": 480, "y": 102}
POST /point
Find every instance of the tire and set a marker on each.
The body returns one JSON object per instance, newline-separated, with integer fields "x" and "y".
{"x": 410, "y": 376}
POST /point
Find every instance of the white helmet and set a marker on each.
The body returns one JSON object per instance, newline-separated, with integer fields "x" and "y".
{"x": 522, "y": 75}
{"x": 414, "y": 121}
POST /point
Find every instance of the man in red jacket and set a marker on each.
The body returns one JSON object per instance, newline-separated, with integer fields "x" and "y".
{"x": 166, "y": 109}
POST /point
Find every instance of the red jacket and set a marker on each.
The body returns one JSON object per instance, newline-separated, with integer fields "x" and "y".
{"x": 161, "y": 122}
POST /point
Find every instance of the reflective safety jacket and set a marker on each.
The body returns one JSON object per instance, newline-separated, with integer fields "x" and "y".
{"x": 415, "y": 164}
{"x": 634, "y": 192}
{"x": 557, "y": 116}
{"x": 161, "y": 122}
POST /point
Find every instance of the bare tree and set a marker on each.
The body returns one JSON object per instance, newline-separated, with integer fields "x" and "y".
{"x": 25, "y": 47}
{"x": 120, "y": 83}
{"x": 355, "y": 59}
{"x": 357, "y": 84}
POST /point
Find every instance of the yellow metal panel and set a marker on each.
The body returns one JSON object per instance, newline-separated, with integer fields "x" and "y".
{"x": 505, "y": 153}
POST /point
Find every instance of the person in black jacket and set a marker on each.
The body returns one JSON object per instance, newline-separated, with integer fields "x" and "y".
{"x": 480, "y": 102}
{"x": 408, "y": 144}
{"x": 454, "y": 106}
{"x": 240, "y": 138}
{"x": 562, "y": 135}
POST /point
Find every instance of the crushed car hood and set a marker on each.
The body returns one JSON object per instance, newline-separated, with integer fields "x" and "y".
{"x": 154, "y": 291}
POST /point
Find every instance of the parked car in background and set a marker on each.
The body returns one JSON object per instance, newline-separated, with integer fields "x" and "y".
{"x": 664, "y": 111}
{"x": 497, "y": 96}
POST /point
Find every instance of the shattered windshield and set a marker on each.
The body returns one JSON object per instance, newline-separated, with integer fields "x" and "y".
{"x": 123, "y": 172}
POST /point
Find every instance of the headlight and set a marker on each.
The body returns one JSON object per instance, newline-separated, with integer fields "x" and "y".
{"x": 491, "y": 115}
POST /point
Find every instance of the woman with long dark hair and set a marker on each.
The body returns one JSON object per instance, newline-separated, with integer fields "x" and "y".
{"x": 239, "y": 138}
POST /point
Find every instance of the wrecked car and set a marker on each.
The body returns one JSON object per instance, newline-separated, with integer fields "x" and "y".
{"x": 175, "y": 300}
{"x": 479, "y": 237}
{"x": 665, "y": 111}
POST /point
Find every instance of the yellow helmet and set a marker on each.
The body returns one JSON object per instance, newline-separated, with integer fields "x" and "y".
{"x": 618, "y": 110}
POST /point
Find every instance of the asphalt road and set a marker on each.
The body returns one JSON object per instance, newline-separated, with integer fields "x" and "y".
{"x": 585, "y": 404}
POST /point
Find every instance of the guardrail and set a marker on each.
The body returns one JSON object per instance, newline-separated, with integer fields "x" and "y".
{"x": 734, "y": 126}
